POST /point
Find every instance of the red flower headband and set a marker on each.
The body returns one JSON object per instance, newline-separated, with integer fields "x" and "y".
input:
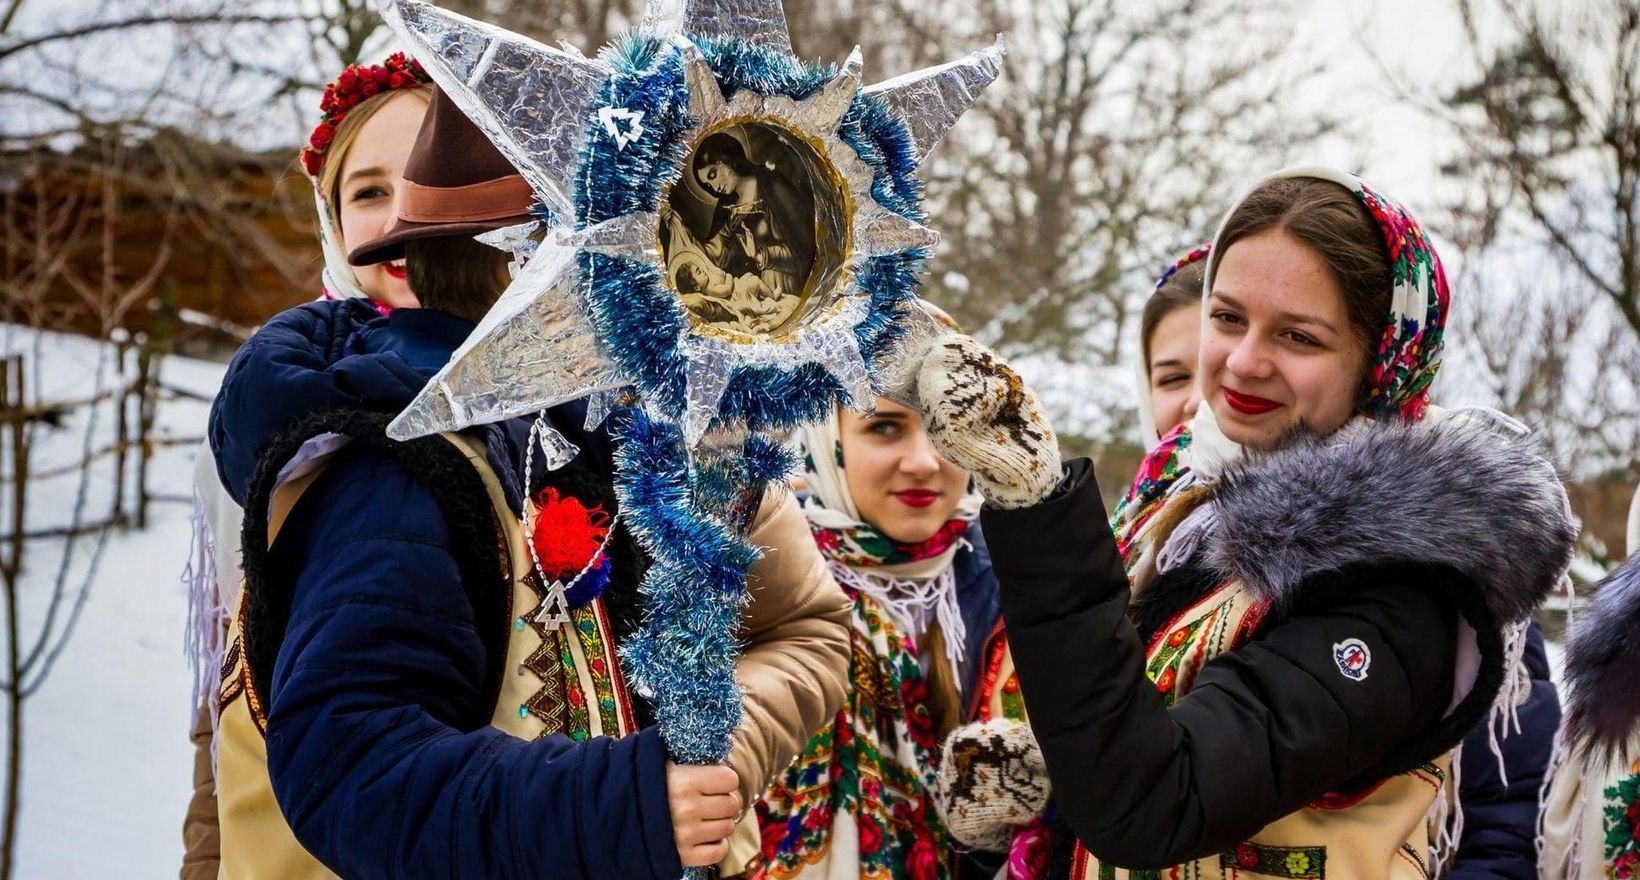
{"x": 352, "y": 87}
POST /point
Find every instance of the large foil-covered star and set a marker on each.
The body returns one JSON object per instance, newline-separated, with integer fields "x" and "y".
{"x": 546, "y": 108}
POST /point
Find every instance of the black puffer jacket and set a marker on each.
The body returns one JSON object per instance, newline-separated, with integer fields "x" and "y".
{"x": 1390, "y": 536}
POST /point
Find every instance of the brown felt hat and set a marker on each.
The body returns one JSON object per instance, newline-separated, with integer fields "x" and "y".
{"x": 455, "y": 183}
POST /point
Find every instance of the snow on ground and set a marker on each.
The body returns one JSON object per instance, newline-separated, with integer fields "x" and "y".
{"x": 107, "y": 766}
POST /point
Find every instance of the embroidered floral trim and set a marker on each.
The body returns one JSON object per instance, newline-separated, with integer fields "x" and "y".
{"x": 579, "y": 724}
{"x": 1168, "y": 660}
{"x": 589, "y": 627}
{"x": 1306, "y": 863}
{"x": 233, "y": 678}
{"x": 1622, "y": 825}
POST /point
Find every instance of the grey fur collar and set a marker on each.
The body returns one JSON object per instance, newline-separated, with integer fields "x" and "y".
{"x": 1452, "y": 491}
{"x": 1603, "y": 664}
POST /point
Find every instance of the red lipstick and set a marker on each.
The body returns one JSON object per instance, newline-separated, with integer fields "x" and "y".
{"x": 1248, "y": 405}
{"x": 393, "y": 271}
{"x": 917, "y": 497}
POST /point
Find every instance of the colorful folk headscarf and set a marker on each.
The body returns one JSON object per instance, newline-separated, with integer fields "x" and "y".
{"x": 849, "y": 540}
{"x": 914, "y": 582}
{"x": 1149, "y": 434}
{"x": 1408, "y": 357}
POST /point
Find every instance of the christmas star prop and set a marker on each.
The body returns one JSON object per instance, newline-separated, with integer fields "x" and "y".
{"x": 560, "y": 118}
{"x": 729, "y": 242}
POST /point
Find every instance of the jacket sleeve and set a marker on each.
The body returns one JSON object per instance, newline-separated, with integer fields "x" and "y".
{"x": 300, "y": 352}
{"x": 1500, "y": 811}
{"x": 1264, "y": 730}
{"x": 381, "y": 658}
{"x": 794, "y": 667}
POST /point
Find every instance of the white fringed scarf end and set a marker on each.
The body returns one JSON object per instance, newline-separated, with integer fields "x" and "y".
{"x": 207, "y": 635}
{"x": 914, "y": 604}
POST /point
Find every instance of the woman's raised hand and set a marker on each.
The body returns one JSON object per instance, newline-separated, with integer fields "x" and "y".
{"x": 982, "y": 417}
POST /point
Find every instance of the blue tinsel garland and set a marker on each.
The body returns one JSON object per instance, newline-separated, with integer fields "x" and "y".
{"x": 688, "y": 518}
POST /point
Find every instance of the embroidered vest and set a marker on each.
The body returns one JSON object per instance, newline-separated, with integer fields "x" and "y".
{"x": 1379, "y": 834}
{"x": 565, "y": 681}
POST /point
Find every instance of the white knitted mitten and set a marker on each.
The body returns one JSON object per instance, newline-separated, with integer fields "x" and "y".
{"x": 991, "y": 779}
{"x": 983, "y": 418}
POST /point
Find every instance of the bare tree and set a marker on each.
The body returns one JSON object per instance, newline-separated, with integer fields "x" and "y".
{"x": 1546, "y": 224}
{"x": 1553, "y": 118}
{"x": 1107, "y": 149}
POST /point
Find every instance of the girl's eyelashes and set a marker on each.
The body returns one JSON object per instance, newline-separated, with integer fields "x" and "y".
{"x": 883, "y": 428}
{"x": 1301, "y": 339}
{"x": 367, "y": 193}
{"x": 1224, "y": 316}
{"x": 1172, "y": 380}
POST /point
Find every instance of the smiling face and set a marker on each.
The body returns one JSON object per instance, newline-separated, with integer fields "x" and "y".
{"x": 1277, "y": 348}
{"x": 898, "y": 482}
{"x": 718, "y": 178}
{"x": 371, "y": 176}
{"x": 1174, "y": 345}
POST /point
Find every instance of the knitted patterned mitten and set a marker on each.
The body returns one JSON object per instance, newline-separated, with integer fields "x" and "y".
{"x": 982, "y": 417}
{"x": 992, "y": 778}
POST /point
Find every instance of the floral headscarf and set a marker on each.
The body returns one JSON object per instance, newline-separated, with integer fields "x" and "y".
{"x": 845, "y": 538}
{"x": 1407, "y": 359}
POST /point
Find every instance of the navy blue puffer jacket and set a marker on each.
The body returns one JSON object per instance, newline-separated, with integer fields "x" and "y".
{"x": 1500, "y": 810}
{"x": 375, "y": 761}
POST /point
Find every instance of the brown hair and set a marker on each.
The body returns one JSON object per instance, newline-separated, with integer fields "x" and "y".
{"x": 456, "y": 274}
{"x": 1182, "y": 289}
{"x": 1329, "y": 220}
{"x": 330, "y": 176}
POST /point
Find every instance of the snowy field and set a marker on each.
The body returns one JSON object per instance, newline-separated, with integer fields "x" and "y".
{"x": 107, "y": 767}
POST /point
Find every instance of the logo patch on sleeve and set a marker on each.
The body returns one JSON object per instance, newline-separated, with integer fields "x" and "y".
{"x": 1353, "y": 659}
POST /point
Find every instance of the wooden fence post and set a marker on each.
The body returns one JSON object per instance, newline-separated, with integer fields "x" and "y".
{"x": 121, "y": 400}
{"x": 147, "y": 389}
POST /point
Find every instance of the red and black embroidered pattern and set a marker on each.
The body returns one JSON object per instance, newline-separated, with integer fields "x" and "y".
{"x": 1301, "y": 862}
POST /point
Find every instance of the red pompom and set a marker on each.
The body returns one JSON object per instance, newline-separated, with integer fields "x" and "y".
{"x": 567, "y": 533}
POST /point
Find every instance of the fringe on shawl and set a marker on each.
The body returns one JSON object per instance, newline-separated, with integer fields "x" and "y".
{"x": 207, "y": 632}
